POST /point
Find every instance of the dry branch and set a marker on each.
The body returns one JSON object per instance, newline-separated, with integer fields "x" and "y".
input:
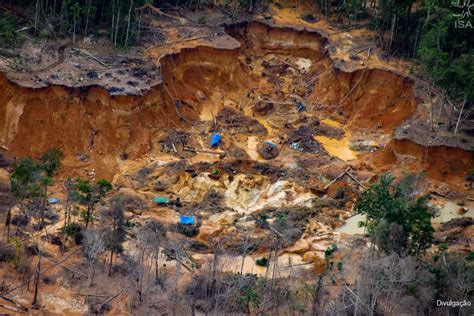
{"x": 349, "y": 28}
{"x": 158, "y": 11}
{"x": 46, "y": 270}
{"x": 14, "y": 309}
{"x": 292, "y": 66}
{"x": 204, "y": 151}
{"x": 113, "y": 297}
{"x": 349, "y": 174}
{"x": 319, "y": 75}
{"x": 336, "y": 179}
{"x": 85, "y": 52}
{"x": 86, "y": 294}
{"x": 9, "y": 300}
{"x": 62, "y": 260}
{"x": 275, "y": 231}
{"x": 276, "y": 102}
{"x": 179, "y": 261}
{"x": 182, "y": 40}
{"x": 354, "y": 178}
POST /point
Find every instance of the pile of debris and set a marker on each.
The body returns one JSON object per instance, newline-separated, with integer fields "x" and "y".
{"x": 173, "y": 140}
{"x": 235, "y": 122}
{"x": 267, "y": 150}
{"x": 302, "y": 140}
{"x": 263, "y": 107}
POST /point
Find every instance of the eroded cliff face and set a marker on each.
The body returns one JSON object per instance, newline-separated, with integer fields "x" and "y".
{"x": 446, "y": 164}
{"x": 197, "y": 83}
{"x": 80, "y": 120}
{"x": 367, "y": 98}
{"x": 372, "y": 98}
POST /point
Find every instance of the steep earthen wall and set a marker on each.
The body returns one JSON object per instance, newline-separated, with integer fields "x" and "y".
{"x": 89, "y": 120}
{"x": 79, "y": 120}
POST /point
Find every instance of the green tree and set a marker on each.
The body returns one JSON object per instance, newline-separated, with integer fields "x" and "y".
{"x": 51, "y": 161}
{"x": 24, "y": 183}
{"x": 250, "y": 298}
{"x": 24, "y": 178}
{"x": 30, "y": 180}
{"x": 89, "y": 195}
{"x": 397, "y": 220}
{"x": 8, "y": 26}
{"x": 446, "y": 55}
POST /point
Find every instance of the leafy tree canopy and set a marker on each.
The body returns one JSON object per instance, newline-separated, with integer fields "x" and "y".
{"x": 29, "y": 176}
{"x": 397, "y": 219}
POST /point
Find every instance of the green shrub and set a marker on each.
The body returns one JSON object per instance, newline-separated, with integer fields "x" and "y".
{"x": 74, "y": 230}
{"x": 329, "y": 251}
{"x": 262, "y": 262}
{"x": 201, "y": 20}
{"x": 470, "y": 256}
{"x": 7, "y": 30}
{"x": 262, "y": 221}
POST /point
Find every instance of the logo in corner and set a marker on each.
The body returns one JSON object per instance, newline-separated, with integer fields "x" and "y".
{"x": 463, "y": 20}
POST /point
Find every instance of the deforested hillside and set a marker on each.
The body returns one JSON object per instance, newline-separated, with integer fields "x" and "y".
{"x": 236, "y": 157}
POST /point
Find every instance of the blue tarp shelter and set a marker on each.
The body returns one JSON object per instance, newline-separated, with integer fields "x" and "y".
{"x": 53, "y": 200}
{"x": 161, "y": 200}
{"x": 215, "y": 140}
{"x": 187, "y": 220}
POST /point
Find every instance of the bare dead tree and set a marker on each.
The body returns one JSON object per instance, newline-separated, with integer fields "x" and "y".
{"x": 87, "y": 18}
{"x": 35, "y": 303}
{"x": 148, "y": 241}
{"x": 386, "y": 277}
{"x": 114, "y": 227}
{"x": 128, "y": 22}
{"x": 460, "y": 114}
{"x": 94, "y": 246}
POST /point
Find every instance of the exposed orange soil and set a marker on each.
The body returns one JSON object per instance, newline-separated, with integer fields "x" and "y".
{"x": 253, "y": 63}
{"x": 196, "y": 80}
{"x": 448, "y": 165}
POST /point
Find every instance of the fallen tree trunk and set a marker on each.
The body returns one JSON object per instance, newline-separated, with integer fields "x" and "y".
{"x": 204, "y": 151}
{"x": 14, "y": 309}
{"x": 112, "y": 297}
{"x": 349, "y": 174}
{"x": 9, "y": 300}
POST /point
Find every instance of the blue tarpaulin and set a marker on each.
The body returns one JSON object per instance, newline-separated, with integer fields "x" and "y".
{"x": 187, "y": 220}
{"x": 215, "y": 140}
{"x": 53, "y": 200}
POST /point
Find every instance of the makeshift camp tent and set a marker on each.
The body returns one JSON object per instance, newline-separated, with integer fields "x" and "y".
{"x": 161, "y": 200}
{"x": 187, "y": 220}
{"x": 216, "y": 140}
{"x": 53, "y": 200}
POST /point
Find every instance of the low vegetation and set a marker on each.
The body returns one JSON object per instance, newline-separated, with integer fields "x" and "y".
{"x": 394, "y": 272}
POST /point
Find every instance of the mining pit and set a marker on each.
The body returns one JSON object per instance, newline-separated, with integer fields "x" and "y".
{"x": 293, "y": 112}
